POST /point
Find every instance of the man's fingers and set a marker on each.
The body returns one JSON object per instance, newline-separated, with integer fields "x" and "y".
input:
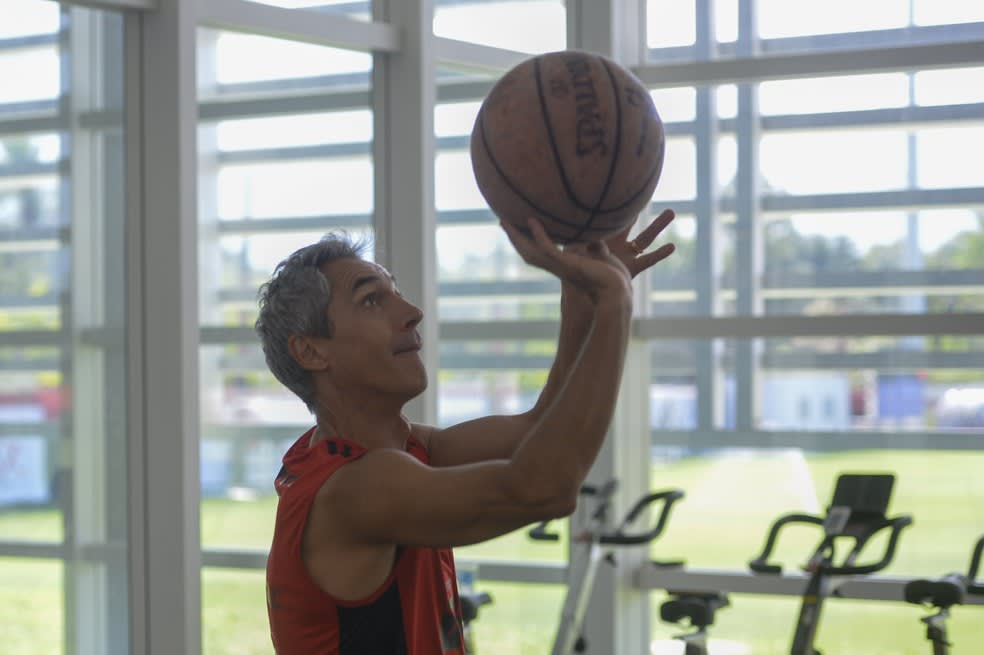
{"x": 648, "y": 235}
{"x": 642, "y": 262}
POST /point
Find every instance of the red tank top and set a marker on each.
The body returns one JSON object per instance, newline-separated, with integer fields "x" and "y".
{"x": 416, "y": 611}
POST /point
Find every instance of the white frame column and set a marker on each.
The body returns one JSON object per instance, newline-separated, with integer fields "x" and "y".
{"x": 617, "y": 619}
{"x": 403, "y": 98}
{"x": 161, "y": 125}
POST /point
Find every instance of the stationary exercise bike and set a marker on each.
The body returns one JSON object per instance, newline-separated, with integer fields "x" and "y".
{"x": 589, "y": 549}
{"x": 857, "y": 511}
{"x": 942, "y": 594}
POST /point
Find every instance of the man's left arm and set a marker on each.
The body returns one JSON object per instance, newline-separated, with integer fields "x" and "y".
{"x": 496, "y": 437}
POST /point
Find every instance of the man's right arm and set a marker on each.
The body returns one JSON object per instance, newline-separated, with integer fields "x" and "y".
{"x": 388, "y": 496}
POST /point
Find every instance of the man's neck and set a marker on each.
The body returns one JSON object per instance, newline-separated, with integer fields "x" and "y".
{"x": 369, "y": 425}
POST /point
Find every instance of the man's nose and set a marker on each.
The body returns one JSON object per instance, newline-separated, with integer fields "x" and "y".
{"x": 414, "y": 316}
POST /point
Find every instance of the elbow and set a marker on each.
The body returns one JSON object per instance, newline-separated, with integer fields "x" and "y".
{"x": 544, "y": 499}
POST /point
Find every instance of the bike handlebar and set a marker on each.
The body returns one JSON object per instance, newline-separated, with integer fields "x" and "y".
{"x": 861, "y": 532}
{"x": 620, "y": 537}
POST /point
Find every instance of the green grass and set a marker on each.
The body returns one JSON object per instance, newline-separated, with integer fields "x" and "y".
{"x": 729, "y": 504}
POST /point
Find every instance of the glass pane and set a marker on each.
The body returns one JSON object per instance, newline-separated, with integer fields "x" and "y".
{"x": 249, "y": 420}
{"x": 454, "y": 182}
{"x": 753, "y": 487}
{"x": 271, "y": 189}
{"x": 937, "y": 166}
{"x": 949, "y": 87}
{"x": 678, "y": 179}
{"x": 455, "y": 119}
{"x": 673, "y": 105}
{"x": 31, "y": 607}
{"x": 63, "y": 389}
{"x": 521, "y": 619}
{"x": 234, "y": 616}
{"x": 26, "y": 17}
{"x": 44, "y": 81}
{"x": 778, "y": 18}
{"x": 818, "y": 162}
{"x": 943, "y": 12}
{"x": 530, "y": 26}
{"x": 294, "y": 131}
{"x": 358, "y": 9}
{"x": 885, "y": 385}
{"x": 832, "y": 94}
{"x": 670, "y": 24}
{"x": 248, "y": 62}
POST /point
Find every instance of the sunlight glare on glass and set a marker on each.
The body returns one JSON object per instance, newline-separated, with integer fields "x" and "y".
{"x": 726, "y": 20}
{"x": 938, "y": 226}
{"x": 944, "y": 12}
{"x": 670, "y": 23}
{"x": 831, "y": 161}
{"x": 297, "y": 130}
{"x": 530, "y": 26}
{"x": 44, "y": 81}
{"x": 298, "y": 188}
{"x": 676, "y": 104}
{"x": 26, "y": 17}
{"x": 833, "y": 94}
{"x": 727, "y": 101}
{"x": 727, "y": 162}
{"x": 949, "y": 157}
{"x": 250, "y": 58}
{"x": 950, "y": 86}
{"x": 455, "y": 186}
{"x": 864, "y": 229}
{"x": 782, "y": 18}
{"x": 678, "y": 181}
{"x": 455, "y": 119}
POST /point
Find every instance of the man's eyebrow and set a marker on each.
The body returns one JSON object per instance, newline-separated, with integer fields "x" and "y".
{"x": 364, "y": 280}
{"x": 369, "y": 279}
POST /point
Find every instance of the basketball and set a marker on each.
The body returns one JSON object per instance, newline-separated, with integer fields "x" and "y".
{"x": 572, "y": 139}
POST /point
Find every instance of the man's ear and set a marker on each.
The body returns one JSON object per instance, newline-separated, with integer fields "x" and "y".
{"x": 307, "y": 352}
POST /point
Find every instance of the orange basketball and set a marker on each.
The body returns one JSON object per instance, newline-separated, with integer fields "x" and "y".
{"x": 572, "y": 139}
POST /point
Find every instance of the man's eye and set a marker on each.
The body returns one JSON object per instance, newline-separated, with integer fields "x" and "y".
{"x": 370, "y": 300}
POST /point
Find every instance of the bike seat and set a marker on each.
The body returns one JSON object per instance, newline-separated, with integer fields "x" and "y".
{"x": 941, "y": 593}
{"x": 697, "y": 607}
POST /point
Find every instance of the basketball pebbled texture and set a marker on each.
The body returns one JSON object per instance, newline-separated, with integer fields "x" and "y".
{"x": 571, "y": 138}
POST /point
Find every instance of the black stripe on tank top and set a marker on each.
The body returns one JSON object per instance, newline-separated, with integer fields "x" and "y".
{"x": 375, "y": 629}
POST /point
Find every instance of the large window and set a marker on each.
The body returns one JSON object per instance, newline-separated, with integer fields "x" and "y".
{"x": 833, "y": 197}
{"x": 63, "y": 365}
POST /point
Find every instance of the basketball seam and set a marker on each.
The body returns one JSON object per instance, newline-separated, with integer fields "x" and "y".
{"x": 553, "y": 142}
{"x": 509, "y": 183}
{"x": 615, "y": 151}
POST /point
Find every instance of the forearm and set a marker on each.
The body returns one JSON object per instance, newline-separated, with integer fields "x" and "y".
{"x": 576, "y": 316}
{"x": 559, "y": 450}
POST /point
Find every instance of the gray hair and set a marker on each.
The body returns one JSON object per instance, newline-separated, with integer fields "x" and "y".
{"x": 295, "y": 302}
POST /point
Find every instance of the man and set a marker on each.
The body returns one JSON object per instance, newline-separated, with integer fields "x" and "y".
{"x": 371, "y": 504}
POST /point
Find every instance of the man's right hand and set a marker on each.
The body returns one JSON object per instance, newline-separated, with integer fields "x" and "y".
{"x": 591, "y": 268}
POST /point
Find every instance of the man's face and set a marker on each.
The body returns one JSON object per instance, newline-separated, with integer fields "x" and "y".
{"x": 375, "y": 344}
